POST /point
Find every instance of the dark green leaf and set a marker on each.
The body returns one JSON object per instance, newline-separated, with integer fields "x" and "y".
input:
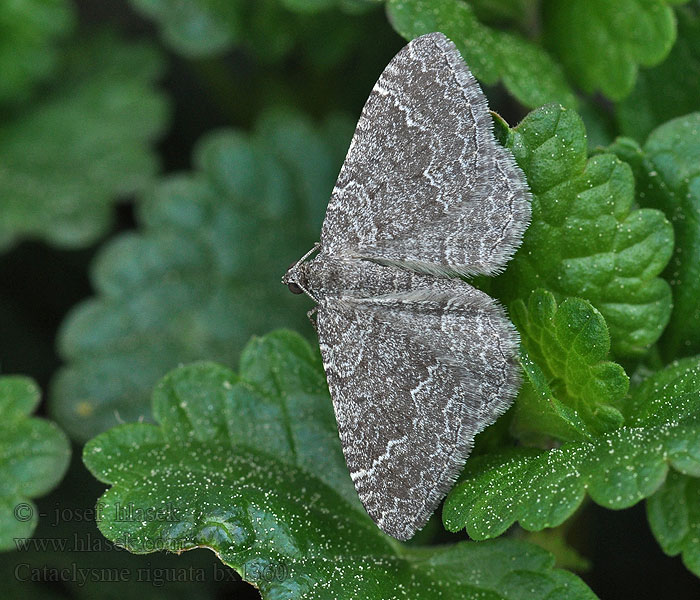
{"x": 501, "y": 11}
{"x": 34, "y": 455}
{"x": 542, "y": 489}
{"x": 585, "y": 239}
{"x": 526, "y": 70}
{"x": 201, "y": 28}
{"x": 600, "y": 125}
{"x": 602, "y": 43}
{"x": 249, "y": 465}
{"x": 674, "y": 516}
{"x": 554, "y": 541}
{"x": 64, "y": 160}
{"x": 203, "y": 272}
{"x": 671, "y": 89}
{"x": 28, "y": 44}
{"x": 668, "y": 175}
{"x": 197, "y": 27}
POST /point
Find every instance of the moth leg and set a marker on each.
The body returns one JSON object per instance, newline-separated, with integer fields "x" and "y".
{"x": 310, "y": 315}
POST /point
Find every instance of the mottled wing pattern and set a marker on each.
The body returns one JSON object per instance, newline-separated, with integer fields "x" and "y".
{"x": 425, "y": 184}
{"x": 410, "y": 391}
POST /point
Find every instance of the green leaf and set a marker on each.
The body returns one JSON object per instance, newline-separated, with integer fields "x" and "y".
{"x": 538, "y": 414}
{"x": 28, "y": 44}
{"x": 668, "y": 175}
{"x": 194, "y": 28}
{"x": 602, "y": 43}
{"x": 203, "y": 271}
{"x": 526, "y": 70}
{"x": 250, "y": 466}
{"x": 554, "y": 541}
{"x": 671, "y": 89}
{"x": 617, "y": 469}
{"x": 674, "y": 516}
{"x": 585, "y": 239}
{"x": 569, "y": 343}
{"x": 202, "y": 28}
{"x": 600, "y": 125}
{"x": 503, "y": 11}
{"x": 34, "y": 456}
{"x": 310, "y": 6}
{"x": 67, "y": 545}
{"x": 65, "y": 159}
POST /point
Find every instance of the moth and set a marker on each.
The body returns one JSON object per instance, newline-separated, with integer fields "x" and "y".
{"x": 417, "y": 360}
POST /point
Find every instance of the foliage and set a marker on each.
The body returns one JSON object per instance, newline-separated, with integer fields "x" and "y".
{"x": 674, "y": 517}
{"x": 181, "y": 289}
{"x": 672, "y": 89}
{"x": 66, "y": 157}
{"x": 270, "y": 29}
{"x": 28, "y": 45}
{"x": 586, "y": 239}
{"x": 224, "y": 437}
{"x": 34, "y": 455}
{"x": 604, "y": 292}
{"x": 542, "y": 488}
{"x": 667, "y": 169}
{"x": 569, "y": 344}
{"x": 601, "y": 43}
{"x": 526, "y": 70}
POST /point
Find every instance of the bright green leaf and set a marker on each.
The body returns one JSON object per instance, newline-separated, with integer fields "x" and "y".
{"x": 28, "y": 44}
{"x": 585, "y": 239}
{"x": 570, "y": 344}
{"x": 671, "y": 89}
{"x": 203, "y": 271}
{"x": 250, "y": 466}
{"x": 526, "y": 70}
{"x": 65, "y": 159}
{"x": 602, "y": 43}
{"x": 674, "y": 517}
{"x": 542, "y": 489}
{"x": 668, "y": 175}
{"x": 34, "y": 455}
{"x": 539, "y": 413}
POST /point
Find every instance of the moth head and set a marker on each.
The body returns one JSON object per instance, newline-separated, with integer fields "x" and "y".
{"x": 295, "y": 278}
